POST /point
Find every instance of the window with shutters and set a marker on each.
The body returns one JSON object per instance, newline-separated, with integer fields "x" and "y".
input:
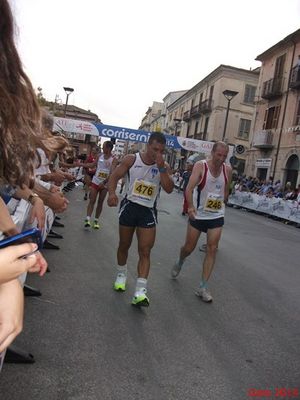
{"x": 204, "y": 137}
{"x": 271, "y": 118}
{"x": 244, "y": 128}
{"x": 279, "y": 66}
{"x": 196, "y": 128}
{"x": 188, "y": 131}
{"x": 249, "y": 94}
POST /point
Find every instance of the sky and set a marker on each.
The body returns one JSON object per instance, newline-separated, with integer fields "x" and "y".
{"x": 121, "y": 55}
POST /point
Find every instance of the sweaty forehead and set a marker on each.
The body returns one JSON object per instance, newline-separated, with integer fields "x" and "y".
{"x": 156, "y": 144}
{"x": 221, "y": 150}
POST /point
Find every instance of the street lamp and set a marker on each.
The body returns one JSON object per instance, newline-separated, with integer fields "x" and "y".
{"x": 68, "y": 91}
{"x": 229, "y": 94}
{"x": 177, "y": 122}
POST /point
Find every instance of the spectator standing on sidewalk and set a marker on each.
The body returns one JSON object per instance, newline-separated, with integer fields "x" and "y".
{"x": 20, "y": 133}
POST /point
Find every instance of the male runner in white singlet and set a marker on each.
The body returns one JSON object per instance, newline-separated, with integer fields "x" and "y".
{"x": 206, "y": 193}
{"x": 105, "y": 163}
{"x": 145, "y": 173}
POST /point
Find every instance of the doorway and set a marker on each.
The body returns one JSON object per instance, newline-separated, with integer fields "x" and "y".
{"x": 261, "y": 173}
{"x": 291, "y": 170}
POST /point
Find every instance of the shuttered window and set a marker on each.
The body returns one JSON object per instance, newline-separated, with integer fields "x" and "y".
{"x": 271, "y": 118}
{"x": 244, "y": 129}
{"x": 249, "y": 94}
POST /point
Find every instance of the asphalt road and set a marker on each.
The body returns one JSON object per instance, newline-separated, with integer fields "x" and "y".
{"x": 89, "y": 343}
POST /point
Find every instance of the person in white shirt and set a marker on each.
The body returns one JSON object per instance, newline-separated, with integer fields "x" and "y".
{"x": 145, "y": 173}
{"x": 105, "y": 163}
{"x": 207, "y": 192}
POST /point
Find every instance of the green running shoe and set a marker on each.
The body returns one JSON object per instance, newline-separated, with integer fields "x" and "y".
{"x": 87, "y": 223}
{"x": 120, "y": 283}
{"x": 140, "y": 298}
{"x": 96, "y": 225}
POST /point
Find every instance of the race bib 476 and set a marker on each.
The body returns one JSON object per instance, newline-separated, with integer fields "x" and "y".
{"x": 143, "y": 189}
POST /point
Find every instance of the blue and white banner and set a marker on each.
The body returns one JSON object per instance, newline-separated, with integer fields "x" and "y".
{"x": 175, "y": 142}
{"x": 285, "y": 209}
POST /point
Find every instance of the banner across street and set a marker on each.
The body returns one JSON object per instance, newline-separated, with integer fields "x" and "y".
{"x": 66, "y": 125}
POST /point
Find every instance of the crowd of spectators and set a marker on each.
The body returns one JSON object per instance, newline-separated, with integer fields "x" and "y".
{"x": 265, "y": 187}
{"x": 33, "y": 168}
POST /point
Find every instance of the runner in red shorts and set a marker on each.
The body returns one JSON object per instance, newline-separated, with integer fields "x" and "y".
{"x": 105, "y": 163}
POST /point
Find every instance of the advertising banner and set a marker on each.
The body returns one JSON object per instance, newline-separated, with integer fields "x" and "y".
{"x": 66, "y": 125}
{"x": 285, "y": 209}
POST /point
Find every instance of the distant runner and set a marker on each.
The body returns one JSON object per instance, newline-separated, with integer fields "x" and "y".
{"x": 105, "y": 163}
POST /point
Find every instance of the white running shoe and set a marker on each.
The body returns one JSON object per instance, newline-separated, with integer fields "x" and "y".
{"x": 204, "y": 294}
{"x": 120, "y": 282}
{"x": 140, "y": 298}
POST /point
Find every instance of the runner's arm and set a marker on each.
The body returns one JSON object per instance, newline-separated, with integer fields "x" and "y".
{"x": 194, "y": 180}
{"x": 166, "y": 180}
{"x": 114, "y": 164}
{"x": 89, "y": 165}
{"x": 227, "y": 188}
{"x": 119, "y": 172}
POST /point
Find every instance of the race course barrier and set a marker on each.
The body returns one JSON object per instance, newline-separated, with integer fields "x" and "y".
{"x": 284, "y": 209}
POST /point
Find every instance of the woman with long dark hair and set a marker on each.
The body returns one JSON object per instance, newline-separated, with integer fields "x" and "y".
{"x": 20, "y": 133}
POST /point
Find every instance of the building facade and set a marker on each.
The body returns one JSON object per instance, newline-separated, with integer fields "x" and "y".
{"x": 204, "y": 113}
{"x": 275, "y": 137}
{"x": 120, "y": 148}
{"x": 82, "y": 143}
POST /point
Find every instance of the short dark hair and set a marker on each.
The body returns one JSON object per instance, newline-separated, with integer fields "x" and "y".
{"x": 158, "y": 136}
{"x": 109, "y": 144}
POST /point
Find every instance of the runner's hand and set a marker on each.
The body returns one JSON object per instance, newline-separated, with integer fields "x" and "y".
{"x": 160, "y": 162}
{"x": 192, "y": 212}
{"x": 112, "y": 200}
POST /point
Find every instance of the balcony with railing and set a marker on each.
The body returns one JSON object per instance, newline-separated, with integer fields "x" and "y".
{"x": 272, "y": 88}
{"x": 186, "y": 116}
{"x": 195, "y": 112}
{"x": 295, "y": 78}
{"x": 205, "y": 106}
{"x": 263, "y": 139}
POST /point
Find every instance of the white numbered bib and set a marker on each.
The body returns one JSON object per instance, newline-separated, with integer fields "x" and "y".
{"x": 143, "y": 189}
{"x": 213, "y": 203}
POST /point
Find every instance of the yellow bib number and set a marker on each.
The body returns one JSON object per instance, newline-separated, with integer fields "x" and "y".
{"x": 143, "y": 189}
{"x": 213, "y": 203}
{"x": 102, "y": 175}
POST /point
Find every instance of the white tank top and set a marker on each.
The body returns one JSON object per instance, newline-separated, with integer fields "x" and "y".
{"x": 143, "y": 183}
{"x": 208, "y": 196}
{"x": 103, "y": 169}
